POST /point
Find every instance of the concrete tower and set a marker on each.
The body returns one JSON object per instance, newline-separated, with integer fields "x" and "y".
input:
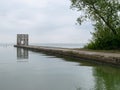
{"x": 22, "y": 39}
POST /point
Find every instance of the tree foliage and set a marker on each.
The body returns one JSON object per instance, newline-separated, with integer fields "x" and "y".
{"x": 106, "y": 17}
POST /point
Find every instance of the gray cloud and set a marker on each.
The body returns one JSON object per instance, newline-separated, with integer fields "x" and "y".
{"x": 47, "y": 21}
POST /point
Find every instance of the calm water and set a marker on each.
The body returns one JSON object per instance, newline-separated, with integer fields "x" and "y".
{"x": 26, "y": 70}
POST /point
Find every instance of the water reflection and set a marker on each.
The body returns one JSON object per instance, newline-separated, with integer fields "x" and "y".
{"x": 107, "y": 78}
{"x": 22, "y": 55}
{"x": 47, "y": 72}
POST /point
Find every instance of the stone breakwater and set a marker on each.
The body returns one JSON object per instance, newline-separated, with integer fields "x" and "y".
{"x": 109, "y": 58}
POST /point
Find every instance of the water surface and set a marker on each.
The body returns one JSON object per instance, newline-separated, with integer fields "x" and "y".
{"x": 27, "y": 70}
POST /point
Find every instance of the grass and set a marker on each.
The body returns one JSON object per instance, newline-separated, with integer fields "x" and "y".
{"x": 104, "y": 51}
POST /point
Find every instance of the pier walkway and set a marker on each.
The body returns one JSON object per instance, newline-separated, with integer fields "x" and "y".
{"x": 105, "y": 57}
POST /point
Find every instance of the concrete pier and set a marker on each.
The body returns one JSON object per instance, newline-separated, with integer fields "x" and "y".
{"x": 109, "y": 58}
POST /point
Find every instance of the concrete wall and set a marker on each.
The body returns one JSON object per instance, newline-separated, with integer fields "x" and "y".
{"x": 22, "y": 39}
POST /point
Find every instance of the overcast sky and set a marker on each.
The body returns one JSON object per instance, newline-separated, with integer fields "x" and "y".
{"x": 46, "y": 21}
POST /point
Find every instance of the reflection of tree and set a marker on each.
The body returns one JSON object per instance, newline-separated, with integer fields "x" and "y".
{"x": 107, "y": 78}
{"x": 78, "y": 89}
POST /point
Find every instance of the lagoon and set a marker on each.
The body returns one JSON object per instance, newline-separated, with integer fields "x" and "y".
{"x": 39, "y": 71}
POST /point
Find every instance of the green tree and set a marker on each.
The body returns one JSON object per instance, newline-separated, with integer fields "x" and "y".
{"x": 106, "y": 17}
{"x": 105, "y": 11}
